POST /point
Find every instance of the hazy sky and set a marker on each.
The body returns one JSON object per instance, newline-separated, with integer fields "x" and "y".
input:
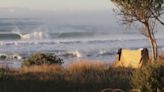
{"x": 58, "y": 5}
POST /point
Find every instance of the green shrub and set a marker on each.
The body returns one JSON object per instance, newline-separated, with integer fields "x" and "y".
{"x": 2, "y": 73}
{"x": 149, "y": 78}
{"x": 40, "y": 58}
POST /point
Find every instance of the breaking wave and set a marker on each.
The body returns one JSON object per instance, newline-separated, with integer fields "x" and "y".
{"x": 75, "y": 53}
{"x": 18, "y": 36}
{"x": 4, "y": 56}
{"x": 34, "y": 35}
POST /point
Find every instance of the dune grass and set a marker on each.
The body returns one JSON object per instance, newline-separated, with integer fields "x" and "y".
{"x": 81, "y": 76}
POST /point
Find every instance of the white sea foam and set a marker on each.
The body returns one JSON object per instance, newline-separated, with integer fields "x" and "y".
{"x": 103, "y": 51}
{"x": 17, "y": 57}
{"x": 75, "y": 53}
{"x": 4, "y": 56}
{"x": 34, "y": 35}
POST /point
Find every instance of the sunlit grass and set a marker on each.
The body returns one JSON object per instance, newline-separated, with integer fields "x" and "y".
{"x": 86, "y": 65}
{"x": 81, "y": 76}
{"x": 41, "y": 69}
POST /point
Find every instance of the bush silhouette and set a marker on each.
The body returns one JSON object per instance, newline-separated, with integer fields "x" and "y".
{"x": 40, "y": 58}
{"x": 149, "y": 78}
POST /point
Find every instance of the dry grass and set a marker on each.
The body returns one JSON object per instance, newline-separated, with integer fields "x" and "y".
{"x": 78, "y": 66}
{"x": 80, "y": 76}
{"x": 37, "y": 72}
{"x": 41, "y": 69}
{"x": 86, "y": 65}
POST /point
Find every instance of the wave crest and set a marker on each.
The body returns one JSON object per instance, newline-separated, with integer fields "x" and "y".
{"x": 34, "y": 35}
{"x": 18, "y": 36}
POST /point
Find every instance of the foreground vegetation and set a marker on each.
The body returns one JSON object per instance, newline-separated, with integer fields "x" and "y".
{"x": 83, "y": 76}
{"x": 42, "y": 58}
{"x": 77, "y": 77}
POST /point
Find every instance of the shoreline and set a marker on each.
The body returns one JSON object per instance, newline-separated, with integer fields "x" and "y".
{"x": 15, "y": 61}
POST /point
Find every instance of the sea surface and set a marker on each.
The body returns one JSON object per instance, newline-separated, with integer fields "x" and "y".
{"x": 70, "y": 40}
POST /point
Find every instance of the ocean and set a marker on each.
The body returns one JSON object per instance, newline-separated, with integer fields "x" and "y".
{"x": 70, "y": 39}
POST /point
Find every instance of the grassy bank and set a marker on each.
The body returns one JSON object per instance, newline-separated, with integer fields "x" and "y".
{"x": 83, "y": 76}
{"x": 77, "y": 77}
